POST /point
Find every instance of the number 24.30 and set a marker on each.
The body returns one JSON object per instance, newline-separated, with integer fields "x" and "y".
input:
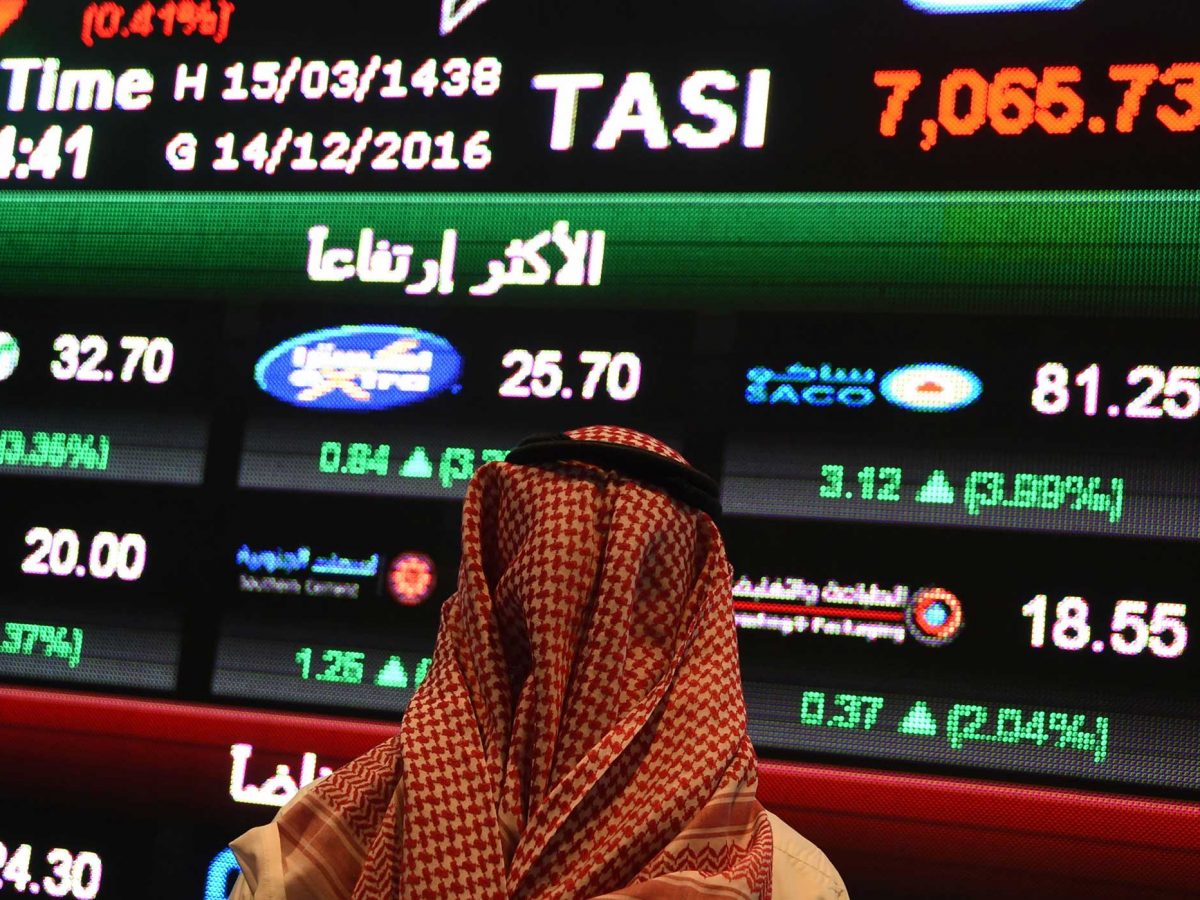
{"x": 75, "y": 875}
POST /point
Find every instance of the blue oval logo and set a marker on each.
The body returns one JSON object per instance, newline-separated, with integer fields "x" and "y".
{"x": 990, "y": 6}
{"x": 930, "y": 387}
{"x": 359, "y": 367}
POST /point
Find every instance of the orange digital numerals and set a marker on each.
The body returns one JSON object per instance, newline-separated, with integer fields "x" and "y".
{"x": 1184, "y": 77}
{"x": 902, "y": 83}
{"x": 102, "y": 21}
{"x": 1018, "y": 98}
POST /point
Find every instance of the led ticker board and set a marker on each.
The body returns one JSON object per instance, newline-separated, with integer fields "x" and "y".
{"x": 325, "y": 607}
{"x": 1040, "y": 429}
{"x": 389, "y": 409}
{"x": 894, "y": 645}
{"x": 89, "y": 591}
{"x": 1014, "y": 436}
{"x": 101, "y": 397}
{"x": 915, "y": 282}
{"x": 862, "y": 95}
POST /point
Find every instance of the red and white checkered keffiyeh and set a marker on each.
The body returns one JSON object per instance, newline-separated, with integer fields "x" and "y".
{"x": 582, "y": 731}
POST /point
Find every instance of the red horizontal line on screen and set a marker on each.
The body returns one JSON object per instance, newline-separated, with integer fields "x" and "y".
{"x": 829, "y": 612}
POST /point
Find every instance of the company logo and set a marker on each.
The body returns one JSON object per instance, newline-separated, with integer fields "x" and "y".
{"x": 931, "y": 615}
{"x": 934, "y": 616}
{"x": 10, "y": 11}
{"x": 411, "y": 578}
{"x": 10, "y": 355}
{"x": 302, "y": 572}
{"x": 991, "y": 6}
{"x": 359, "y": 367}
{"x": 930, "y": 387}
{"x": 927, "y": 387}
{"x": 801, "y": 385}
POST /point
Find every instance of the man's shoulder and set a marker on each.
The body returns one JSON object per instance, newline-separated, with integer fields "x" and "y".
{"x": 800, "y": 870}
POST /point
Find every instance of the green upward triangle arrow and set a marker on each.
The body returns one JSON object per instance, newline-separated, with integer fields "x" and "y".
{"x": 919, "y": 721}
{"x": 418, "y": 465}
{"x": 937, "y": 489}
{"x": 393, "y": 674}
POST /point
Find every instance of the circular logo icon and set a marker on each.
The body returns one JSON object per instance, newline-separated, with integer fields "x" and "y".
{"x": 10, "y": 354}
{"x": 931, "y": 387}
{"x": 934, "y": 616}
{"x": 411, "y": 578}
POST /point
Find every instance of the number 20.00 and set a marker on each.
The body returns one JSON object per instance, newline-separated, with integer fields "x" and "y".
{"x": 57, "y": 553}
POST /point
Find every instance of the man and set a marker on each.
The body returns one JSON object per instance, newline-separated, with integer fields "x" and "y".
{"x": 582, "y": 731}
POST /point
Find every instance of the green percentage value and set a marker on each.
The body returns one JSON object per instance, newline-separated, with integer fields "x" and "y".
{"x": 964, "y": 723}
{"x": 455, "y": 463}
{"x": 349, "y": 667}
{"x": 54, "y": 641}
{"x": 54, "y": 450}
{"x": 1061, "y": 730}
{"x": 980, "y": 490}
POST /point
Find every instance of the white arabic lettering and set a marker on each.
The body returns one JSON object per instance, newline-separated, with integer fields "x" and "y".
{"x": 276, "y": 790}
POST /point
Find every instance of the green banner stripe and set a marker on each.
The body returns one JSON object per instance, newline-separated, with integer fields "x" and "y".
{"x": 1039, "y": 251}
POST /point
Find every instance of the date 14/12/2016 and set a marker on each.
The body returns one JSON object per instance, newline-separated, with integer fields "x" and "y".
{"x": 337, "y": 151}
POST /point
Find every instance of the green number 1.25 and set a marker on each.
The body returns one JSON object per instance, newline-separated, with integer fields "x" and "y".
{"x": 343, "y": 666}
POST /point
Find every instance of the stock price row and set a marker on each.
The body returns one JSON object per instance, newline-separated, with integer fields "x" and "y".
{"x": 785, "y": 477}
{"x": 324, "y": 612}
{"x": 891, "y": 724}
{"x": 882, "y": 368}
{"x": 403, "y": 381}
{"x": 79, "y": 585}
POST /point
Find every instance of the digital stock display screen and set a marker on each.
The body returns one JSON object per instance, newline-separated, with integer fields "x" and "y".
{"x": 915, "y": 281}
